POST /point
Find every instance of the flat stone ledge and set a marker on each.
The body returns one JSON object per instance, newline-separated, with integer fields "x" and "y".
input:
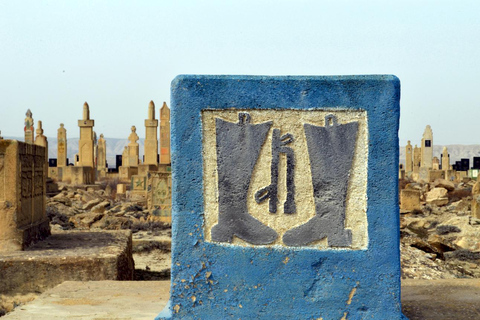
{"x": 450, "y": 299}
{"x": 68, "y": 255}
{"x": 135, "y": 300}
{"x": 457, "y": 299}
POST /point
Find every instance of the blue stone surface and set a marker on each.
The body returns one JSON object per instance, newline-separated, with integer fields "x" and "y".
{"x": 217, "y": 281}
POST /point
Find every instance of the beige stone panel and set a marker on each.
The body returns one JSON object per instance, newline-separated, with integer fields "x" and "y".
{"x": 289, "y": 121}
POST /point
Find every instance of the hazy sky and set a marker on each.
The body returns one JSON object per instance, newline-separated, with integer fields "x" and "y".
{"x": 119, "y": 55}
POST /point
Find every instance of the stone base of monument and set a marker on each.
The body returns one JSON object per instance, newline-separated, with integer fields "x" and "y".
{"x": 78, "y": 175}
{"x": 126, "y": 173}
{"x": 67, "y": 255}
{"x": 421, "y": 300}
{"x": 24, "y": 236}
{"x": 143, "y": 169}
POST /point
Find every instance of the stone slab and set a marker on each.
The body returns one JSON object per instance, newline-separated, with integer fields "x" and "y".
{"x": 132, "y": 300}
{"x": 68, "y": 255}
{"x": 449, "y": 299}
{"x": 238, "y": 256}
{"x": 452, "y": 299}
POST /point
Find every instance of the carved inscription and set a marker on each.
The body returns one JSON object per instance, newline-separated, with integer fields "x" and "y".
{"x": 317, "y": 164}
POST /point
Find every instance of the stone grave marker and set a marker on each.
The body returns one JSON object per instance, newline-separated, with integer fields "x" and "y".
{"x": 285, "y": 198}
{"x": 23, "y": 219}
{"x": 159, "y": 195}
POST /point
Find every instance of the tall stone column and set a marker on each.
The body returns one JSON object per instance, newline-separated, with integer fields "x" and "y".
{"x": 165, "y": 134}
{"x": 86, "y": 144}
{"x": 408, "y": 158}
{"x": 61, "y": 146}
{"x": 445, "y": 159}
{"x": 29, "y": 132}
{"x": 427, "y": 148}
{"x": 151, "y": 141}
{"x": 101, "y": 156}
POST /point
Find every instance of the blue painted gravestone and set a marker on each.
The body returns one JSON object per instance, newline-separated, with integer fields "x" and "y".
{"x": 285, "y": 198}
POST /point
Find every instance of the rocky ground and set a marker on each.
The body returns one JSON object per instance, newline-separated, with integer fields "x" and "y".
{"x": 439, "y": 240}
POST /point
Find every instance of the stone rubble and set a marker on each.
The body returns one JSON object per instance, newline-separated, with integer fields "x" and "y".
{"x": 441, "y": 240}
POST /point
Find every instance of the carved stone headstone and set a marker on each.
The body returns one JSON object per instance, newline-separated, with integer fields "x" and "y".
{"x": 22, "y": 195}
{"x": 285, "y": 198}
{"x": 159, "y": 195}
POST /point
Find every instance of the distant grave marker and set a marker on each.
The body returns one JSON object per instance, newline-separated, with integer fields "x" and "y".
{"x": 285, "y": 198}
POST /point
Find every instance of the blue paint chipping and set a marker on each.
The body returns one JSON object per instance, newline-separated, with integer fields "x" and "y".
{"x": 221, "y": 281}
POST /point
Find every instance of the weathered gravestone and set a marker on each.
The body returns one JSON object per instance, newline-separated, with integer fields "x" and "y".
{"x": 23, "y": 219}
{"x": 285, "y": 198}
{"x": 159, "y": 195}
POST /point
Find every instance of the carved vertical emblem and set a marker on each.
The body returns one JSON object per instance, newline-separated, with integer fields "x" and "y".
{"x": 290, "y": 178}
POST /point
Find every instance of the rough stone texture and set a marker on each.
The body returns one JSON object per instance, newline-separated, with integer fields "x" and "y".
{"x": 68, "y": 255}
{"x": 95, "y": 300}
{"x": 442, "y": 183}
{"x": 410, "y": 199}
{"x": 22, "y": 195}
{"x": 220, "y": 281}
{"x": 437, "y": 196}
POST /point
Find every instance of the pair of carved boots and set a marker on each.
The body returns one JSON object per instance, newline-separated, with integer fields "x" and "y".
{"x": 331, "y": 151}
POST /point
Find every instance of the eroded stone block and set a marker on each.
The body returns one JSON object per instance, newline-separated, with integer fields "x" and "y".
{"x": 23, "y": 175}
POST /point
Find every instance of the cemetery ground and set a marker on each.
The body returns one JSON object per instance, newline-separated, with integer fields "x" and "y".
{"x": 439, "y": 238}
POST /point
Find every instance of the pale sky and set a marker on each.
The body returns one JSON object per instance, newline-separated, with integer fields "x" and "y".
{"x": 119, "y": 55}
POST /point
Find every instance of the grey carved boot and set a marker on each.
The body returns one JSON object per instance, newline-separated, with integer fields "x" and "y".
{"x": 331, "y": 150}
{"x": 238, "y": 149}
